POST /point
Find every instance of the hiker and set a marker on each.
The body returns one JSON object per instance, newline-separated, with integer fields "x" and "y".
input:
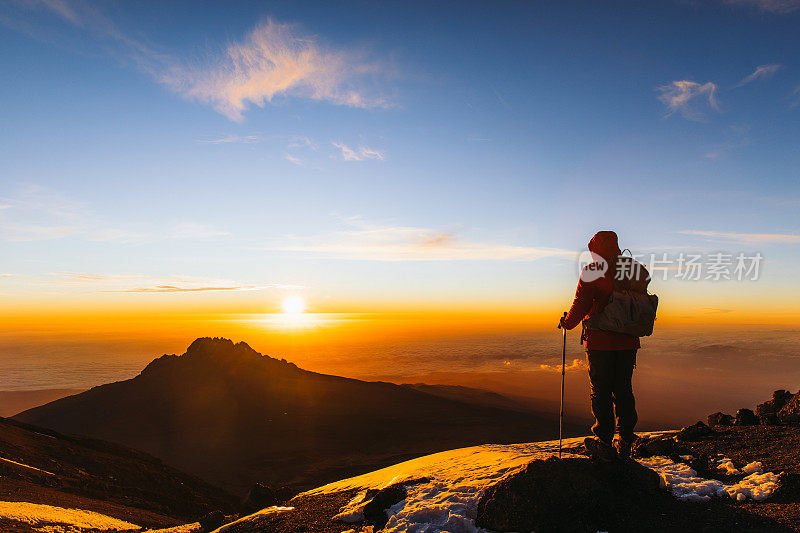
{"x": 611, "y": 355}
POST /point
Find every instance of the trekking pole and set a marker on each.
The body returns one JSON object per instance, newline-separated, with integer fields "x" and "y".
{"x": 563, "y": 370}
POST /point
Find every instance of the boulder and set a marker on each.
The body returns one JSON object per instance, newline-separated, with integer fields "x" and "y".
{"x": 375, "y": 510}
{"x": 790, "y": 413}
{"x": 643, "y": 448}
{"x": 572, "y": 494}
{"x": 767, "y": 412}
{"x": 788, "y": 488}
{"x": 260, "y": 496}
{"x": 745, "y": 417}
{"x": 695, "y": 432}
{"x": 701, "y": 463}
{"x": 212, "y": 521}
{"x": 780, "y": 398}
{"x": 720, "y": 419}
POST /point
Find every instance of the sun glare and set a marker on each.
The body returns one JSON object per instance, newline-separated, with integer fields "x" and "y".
{"x": 293, "y": 305}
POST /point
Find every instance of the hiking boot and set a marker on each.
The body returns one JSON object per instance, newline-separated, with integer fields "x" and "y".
{"x": 623, "y": 448}
{"x": 599, "y": 450}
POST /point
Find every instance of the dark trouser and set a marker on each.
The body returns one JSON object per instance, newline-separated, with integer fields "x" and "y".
{"x": 610, "y": 372}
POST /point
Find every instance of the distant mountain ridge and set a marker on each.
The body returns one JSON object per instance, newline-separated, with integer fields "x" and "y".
{"x": 232, "y": 416}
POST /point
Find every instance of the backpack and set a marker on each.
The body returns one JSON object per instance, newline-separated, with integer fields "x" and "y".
{"x": 628, "y": 312}
{"x": 630, "y": 309}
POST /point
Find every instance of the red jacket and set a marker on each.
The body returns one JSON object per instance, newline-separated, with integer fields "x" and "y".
{"x": 592, "y": 297}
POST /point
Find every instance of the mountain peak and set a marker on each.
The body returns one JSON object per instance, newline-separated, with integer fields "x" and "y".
{"x": 215, "y": 347}
{"x": 212, "y": 352}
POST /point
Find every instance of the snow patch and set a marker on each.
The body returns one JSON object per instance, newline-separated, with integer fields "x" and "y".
{"x": 682, "y": 480}
{"x": 354, "y": 510}
{"x": 185, "y": 528}
{"x": 753, "y": 468}
{"x": 251, "y": 520}
{"x": 726, "y": 465}
{"x": 756, "y": 486}
{"x": 684, "y": 484}
{"x": 46, "y": 518}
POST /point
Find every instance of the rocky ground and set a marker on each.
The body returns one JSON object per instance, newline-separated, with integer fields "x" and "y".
{"x": 633, "y": 498}
{"x": 778, "y": 450}
{"x": 45, "y": 467}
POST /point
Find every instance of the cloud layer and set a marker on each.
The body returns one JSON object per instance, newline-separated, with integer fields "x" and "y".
{"x": 372, "y": 242}
{"x": 749, "y": 238}
{"x": 141, "y": 283}
{"x": 36, "y": 213}
{"x": 773, "y": 6}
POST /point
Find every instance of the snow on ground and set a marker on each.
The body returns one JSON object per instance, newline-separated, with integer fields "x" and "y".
{"x": 725, "y": 465}
{"x": 456, "y": 479}
{"x": 251, "y": 520}
{"x": 685, "y": 485}
{"x": 354, "y": 510}
{"x": 49, "y": 518}
{"x": 185, "y": 528}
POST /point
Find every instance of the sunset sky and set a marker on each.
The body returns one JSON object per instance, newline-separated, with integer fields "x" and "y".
{"x": 391, "y": 157}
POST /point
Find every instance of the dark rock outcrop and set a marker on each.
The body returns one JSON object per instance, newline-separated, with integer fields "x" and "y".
{"x": 719, "y": 419}
{"x": 695, "y": 432}
{"x": 262, "y": 495}
{"x": 745, "y": 417}
{"x": 572, "y": 494}
{"x": 375, "y": 510}
{"x": 666, "y": 446}
{"x": 788, "y": 488}
{"x": 767, "y": 412}
{"x": 790, "y": 413}
{"x": 212, "y": 521}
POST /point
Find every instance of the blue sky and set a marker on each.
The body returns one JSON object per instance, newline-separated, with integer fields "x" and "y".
{"x": 392, "y": 152}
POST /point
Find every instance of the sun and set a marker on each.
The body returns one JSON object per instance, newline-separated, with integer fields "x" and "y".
{"x": 293, "y": 305}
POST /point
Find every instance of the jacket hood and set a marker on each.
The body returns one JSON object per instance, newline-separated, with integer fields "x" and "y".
{"x": 605, "y": 244}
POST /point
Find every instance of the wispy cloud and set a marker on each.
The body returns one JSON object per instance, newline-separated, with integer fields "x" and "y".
{"x": 715, "y": 310}
{"x": 358, "y": 154}
{"x": 301, "y": 141}
{"x": 141, "y": 283}
{"x": 772, "y": 6}
{"x": 87, "y": 17}
{"x": 749, "y": 238}
{"x": 275, "y": 59}
{"x": 228, "y": 139}
{"x": 173, "y": 288}
{"x": 194, "y": 230}
{"x": 37, "y": 213}
{"x": 680, "y": 96}
{"x": 292, "y": 159}
{"x": 577, "y": 365}
{"x": 761, "y": 72}
{"x": 376, "y": 242}
{"x": 738, "y": 137}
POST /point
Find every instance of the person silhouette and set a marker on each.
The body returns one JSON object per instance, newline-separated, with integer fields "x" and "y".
{"x": 611, "y": 355}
